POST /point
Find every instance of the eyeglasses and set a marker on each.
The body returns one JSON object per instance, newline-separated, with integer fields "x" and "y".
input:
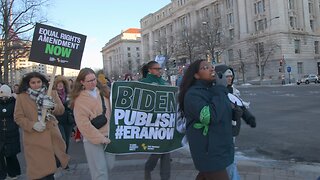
{"x": 206, "y": 67}
{"x": 156, "y": 68}
{"x": 92, "y": 80}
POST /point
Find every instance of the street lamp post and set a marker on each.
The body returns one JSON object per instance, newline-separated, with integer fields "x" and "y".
{"x": 206, "y": 24}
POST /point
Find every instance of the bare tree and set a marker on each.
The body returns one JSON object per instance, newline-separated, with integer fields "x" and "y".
{"x": 188, "y": 43}
{"x": 212, "y": 38}
{"x": 242, "y": 65}
{"x": 17, "y": 18}
{"x": 261, "y": 52}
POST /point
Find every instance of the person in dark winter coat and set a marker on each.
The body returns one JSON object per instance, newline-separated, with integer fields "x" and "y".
{"x": 208, "y": 128}
{"x": 151, "y": 73}
{"x": 66, "y": 120}
{"x": 226, "y": 77}
{"x": 9, "y": 136}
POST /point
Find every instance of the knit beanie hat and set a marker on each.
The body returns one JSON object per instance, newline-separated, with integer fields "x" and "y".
{"x": 228, "y": 72}
{"x": 5, "y": 91}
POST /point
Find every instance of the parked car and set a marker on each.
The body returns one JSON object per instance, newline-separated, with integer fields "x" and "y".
{"x": 308, "y": 79}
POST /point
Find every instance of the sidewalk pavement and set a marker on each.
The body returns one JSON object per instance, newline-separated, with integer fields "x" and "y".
{"x": 131, "y": 167}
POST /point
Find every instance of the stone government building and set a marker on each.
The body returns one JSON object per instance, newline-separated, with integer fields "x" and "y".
{"x": 260, "y": 36}
{"x": 121, "y": 54}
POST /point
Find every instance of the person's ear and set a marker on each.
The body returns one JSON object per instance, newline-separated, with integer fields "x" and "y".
{"x": 196, "y": 76}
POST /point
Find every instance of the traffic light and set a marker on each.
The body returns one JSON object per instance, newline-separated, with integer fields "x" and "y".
{"x": 280, "y": 69}
{"x": 174, "y": 64}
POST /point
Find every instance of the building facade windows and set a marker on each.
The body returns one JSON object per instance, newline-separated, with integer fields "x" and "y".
{"x": 243, "y": 25}
{"x": 216, "y": 9}
{"x": 231, "y": 33}
{"x": 291, "y": 4}
{"x": 259, "y": 7}
{"x": 230, "y": 55}
{"x": 128, "y": 48}
{"x": 312, "y": 25}
{"x": 261, "y": 24}
{"x": 297, "y": 46}
{"x": 310, "y": 7}
{"x": 316, "y": 47}
{"x": 229, "y": 4}
{"x": 129, "y": 64}
{"x": 300, "y": 67}
{"x": 293, "y": 22}
{"x": 181, "y": 2}
{"x": 230, "y": 18}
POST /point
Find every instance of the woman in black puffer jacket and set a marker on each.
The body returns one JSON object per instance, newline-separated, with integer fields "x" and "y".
{"x": 9, "y": 135}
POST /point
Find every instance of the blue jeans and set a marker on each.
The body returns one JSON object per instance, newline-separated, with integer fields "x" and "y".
{"x": 233, "y": 171}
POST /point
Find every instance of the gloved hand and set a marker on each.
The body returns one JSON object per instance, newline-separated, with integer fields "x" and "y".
{"x": 237, "y": 113}
{"x": 221, "y": 79}
{"x": 46, "y": 102}
{"x": 39, "y": 127}
{"x": 236, "y": 119}
{"x": 249, "y": 118}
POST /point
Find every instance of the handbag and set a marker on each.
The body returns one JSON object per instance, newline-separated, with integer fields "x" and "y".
{"x": 100, "y": 120}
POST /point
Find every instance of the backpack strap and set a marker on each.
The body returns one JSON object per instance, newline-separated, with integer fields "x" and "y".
{"x": 103, "y": 105}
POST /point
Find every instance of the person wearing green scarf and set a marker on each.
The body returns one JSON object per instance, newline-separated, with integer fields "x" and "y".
{"x": 208, "y": 113}
{"x": 151, "y": 73}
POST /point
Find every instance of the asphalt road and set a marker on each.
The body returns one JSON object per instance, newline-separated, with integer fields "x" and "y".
{"x": 288, "y": 123}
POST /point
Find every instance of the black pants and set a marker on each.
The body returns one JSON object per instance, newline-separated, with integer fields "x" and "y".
{"x": 9, "y": 165}
{"x": 66, "y": 130}
{"x": 164, "y": 164}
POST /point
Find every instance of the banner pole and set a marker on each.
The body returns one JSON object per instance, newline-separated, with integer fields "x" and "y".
{"x": 51, "y": 82}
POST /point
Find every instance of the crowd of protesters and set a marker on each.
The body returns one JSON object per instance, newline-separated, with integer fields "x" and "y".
{"x": 81, "y": 108}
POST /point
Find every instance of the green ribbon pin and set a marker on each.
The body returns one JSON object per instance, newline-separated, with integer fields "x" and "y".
{"x": 204, "y": 120}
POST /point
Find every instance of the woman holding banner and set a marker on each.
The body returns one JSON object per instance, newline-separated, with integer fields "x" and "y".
{"x": 208, "y": 127}
{"x": 92, "y": 111}
{"x": 42, "y": 140}
{"x": 151, "y": 73}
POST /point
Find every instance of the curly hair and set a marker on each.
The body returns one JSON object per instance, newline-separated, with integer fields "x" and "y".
{"x": 65, "y": 82}
{"x": 24, "y": 84}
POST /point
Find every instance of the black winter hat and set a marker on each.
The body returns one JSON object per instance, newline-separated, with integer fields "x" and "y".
{"x": 221, "y": 69}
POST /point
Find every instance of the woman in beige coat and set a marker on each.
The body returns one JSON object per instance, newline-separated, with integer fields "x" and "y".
{"x": 87, "y": 100}
{"x": 42, "y": 141}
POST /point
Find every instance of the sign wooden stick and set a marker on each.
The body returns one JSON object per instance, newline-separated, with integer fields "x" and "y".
{"x": 51, "y": 82}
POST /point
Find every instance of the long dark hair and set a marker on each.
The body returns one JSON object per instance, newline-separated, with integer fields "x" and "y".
{"x": 24, "y": 84}
{"x": 145, "y": 68}
{"x": 187, "y": 81}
